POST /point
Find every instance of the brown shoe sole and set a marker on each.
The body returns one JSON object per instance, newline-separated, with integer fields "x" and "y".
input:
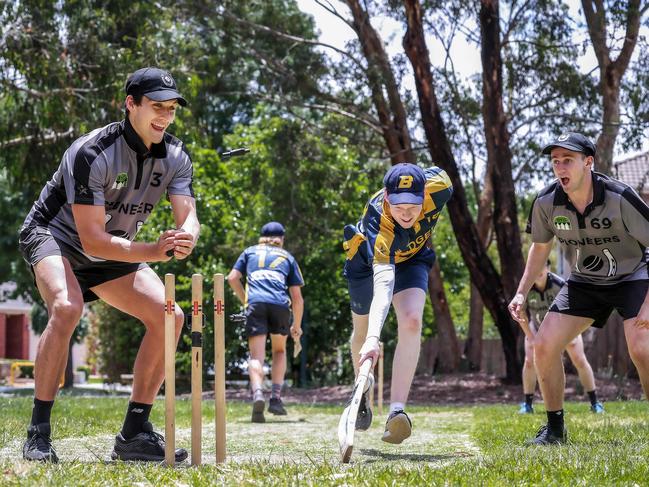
{"x": 397, "y": 429}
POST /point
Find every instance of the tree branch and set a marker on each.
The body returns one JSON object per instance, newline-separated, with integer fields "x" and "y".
{"x": 332, "y": 10}
{"x": 596, "y": 21}
{"x": 290, "y": 37}
{"x": 48, "y": 137}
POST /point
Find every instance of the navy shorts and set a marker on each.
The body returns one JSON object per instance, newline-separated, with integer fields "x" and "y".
{"x": 265, "y": 318}
{"x": 36, "y": 243}
{"x": 598, "y": 302}
{"x": 412, "y": 273}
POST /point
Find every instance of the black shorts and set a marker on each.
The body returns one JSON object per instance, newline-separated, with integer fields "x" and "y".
{"x": 597, "y": 301}
{"x": 36, "y": 243}
{"x": 264, "y": 318}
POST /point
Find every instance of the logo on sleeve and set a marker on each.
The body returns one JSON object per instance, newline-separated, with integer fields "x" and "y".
{"x": 121, "y": 181}
{"x": 562, "y": 223}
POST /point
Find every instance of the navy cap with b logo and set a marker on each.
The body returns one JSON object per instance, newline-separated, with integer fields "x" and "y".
{"x": 156, "y": 84}
{"x": 572, "y": 141}
{"x": 273, "y": 229}
{"x": 405, "y": 184}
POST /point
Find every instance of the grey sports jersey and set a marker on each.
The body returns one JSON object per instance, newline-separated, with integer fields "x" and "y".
{"x": 112, "y": 167}
{"x": 609, "y": 238}
{"x": 538, "y": 302}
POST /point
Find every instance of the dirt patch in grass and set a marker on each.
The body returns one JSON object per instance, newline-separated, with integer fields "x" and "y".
{"x": 471, "y": 388}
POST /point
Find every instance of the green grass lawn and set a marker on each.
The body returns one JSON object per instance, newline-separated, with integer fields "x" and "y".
{"x": 449, "y": 446}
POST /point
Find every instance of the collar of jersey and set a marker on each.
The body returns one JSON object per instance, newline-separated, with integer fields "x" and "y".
{"x": 599, "y": 190}
{"x": 133, "y": 140}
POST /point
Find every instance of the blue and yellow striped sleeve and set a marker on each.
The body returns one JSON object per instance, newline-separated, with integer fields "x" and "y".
{"x": 438, "y": 186}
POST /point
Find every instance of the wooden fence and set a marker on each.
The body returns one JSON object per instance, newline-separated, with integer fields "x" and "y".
{"x": 606, "y": 350}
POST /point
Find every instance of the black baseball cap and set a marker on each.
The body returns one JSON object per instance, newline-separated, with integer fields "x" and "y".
{"x": 273, "y": 229}
{"x": 572, "y": 141}
{"x": 405, "y": 184}
{"x": 156, "y": 84}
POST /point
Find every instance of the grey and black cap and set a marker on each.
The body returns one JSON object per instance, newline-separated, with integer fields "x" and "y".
{"x": 572, "y": 141}
{"x": 155, "y": 83}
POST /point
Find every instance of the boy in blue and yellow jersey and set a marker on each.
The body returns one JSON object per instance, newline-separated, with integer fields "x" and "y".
{"x": 388, "y": 261}
{"x": 273, "y": 282}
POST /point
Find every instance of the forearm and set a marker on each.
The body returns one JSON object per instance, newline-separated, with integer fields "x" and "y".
{"x": 382, "y": 297}
{"x": 297, "y": 307}
{"x": 110, "y": 247}
{"x": 237, "y": 289}
{"x": 191, "y": 225}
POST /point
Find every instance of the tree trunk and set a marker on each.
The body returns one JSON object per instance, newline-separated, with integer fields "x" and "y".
{"x": 499, "y": 156}
{"x": 391, "y": 112}
{"x": 483, "y": 273}
{"x": 449, "y": 348}
{"x": 473, "y": 343}
{"x": 611, "y": 71}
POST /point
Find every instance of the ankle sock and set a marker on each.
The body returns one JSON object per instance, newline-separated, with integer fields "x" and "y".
{"x": 529, "y": 399}
{"x": 136, "y": 415}
{"x": 42, "y": 411}
{"x": 555, "y": 421}
{"x": 276, "y": 391}
{"x": 395, "y": 406}
{"x": 592, "y": 395}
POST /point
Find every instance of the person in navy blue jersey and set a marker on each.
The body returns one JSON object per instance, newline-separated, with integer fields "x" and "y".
{"x": 388, "y": 259}
{"x": 272, "y": 291}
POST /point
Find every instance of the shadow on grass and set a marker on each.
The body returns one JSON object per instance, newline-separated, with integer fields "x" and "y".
{"x": 413, "y": 457}
{"x": 273, "y": 421}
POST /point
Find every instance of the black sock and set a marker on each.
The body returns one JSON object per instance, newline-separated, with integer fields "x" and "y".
{"x": 555, "y": 421}
{"x": 592, "y": 395}
{"x": 276, "y": 391}
{"x": 529, "y": 398}
{"x": 136, "y": 415}
{"x": 42, "y": 411}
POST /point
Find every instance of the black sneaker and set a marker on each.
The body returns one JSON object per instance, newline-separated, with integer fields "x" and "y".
{"x": 38, "y": 446}
{"x": 258, "y": 405}
{"x": 364, "y": 416}
{"x": 546, "y": 437}
{"x": 276, "y": 407}
{"x": 147, "y": 446}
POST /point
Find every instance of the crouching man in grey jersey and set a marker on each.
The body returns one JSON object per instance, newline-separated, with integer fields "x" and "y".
{"x": 607, "y": 225}
{"x": 78, "y": 241}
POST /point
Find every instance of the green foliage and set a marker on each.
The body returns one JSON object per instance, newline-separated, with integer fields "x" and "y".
{"x": 119, "y": 335}
{"x": 86, "y": 369}
{"x": 313, "y": 187}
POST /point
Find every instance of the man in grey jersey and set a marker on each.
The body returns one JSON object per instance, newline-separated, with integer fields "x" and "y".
{"x": 607, "y": 225}
{"x": 78, "y": 241}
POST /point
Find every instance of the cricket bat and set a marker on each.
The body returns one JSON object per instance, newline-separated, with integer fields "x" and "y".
{"x": 347, "y": 422}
